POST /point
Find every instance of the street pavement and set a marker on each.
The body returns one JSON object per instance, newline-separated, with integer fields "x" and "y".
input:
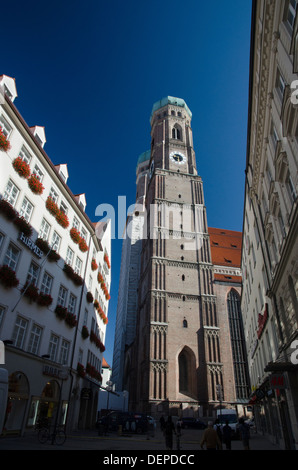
{"x": 90, "y": 440}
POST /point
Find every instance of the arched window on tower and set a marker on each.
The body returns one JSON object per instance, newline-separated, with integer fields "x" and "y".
{"x": 177, "y": 132}
{"x": 183, "y": 372}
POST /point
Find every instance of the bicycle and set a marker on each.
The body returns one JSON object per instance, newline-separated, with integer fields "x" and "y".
{"x": 58, "y": 436}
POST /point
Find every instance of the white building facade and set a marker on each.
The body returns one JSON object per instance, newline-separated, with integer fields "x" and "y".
{"x": 55, "y": 277}
{"x": 269, "y": 254}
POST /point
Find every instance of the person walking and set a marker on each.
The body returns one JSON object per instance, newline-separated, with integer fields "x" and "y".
{"x": 169, "y": 429}
{"x": 244, "y": 433}
{"x": 227, "y": 435}
{"x": 210, "y": 438}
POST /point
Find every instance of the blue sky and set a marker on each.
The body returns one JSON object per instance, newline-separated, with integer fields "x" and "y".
{"x": 91, "y": 71}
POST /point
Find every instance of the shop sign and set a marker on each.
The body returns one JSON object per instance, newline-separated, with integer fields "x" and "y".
{"x": 278, "y": 381}
{"x": 51, "y": 371}
{"x": 31, "y": 245}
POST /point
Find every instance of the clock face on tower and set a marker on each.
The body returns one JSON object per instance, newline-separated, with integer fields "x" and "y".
{"x": 178, "y": 158}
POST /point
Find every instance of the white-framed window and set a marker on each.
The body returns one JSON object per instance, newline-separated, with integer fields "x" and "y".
{"x": 63, "y": 207}
{"x": 46, "y": 284}
{"x": 25, "y": 155}
{"x": 37, "y": 171}
{"x": 62, "y": 296}
{"x": 11, "y": 256}
{"x": 19, "y": 332}
{"x": 78, "y": 266}
{"x": 280, "y": 84}
{"x": 1, "y": 239}
{"x": 291, "y": 13}
{"x": 56, "y": 240}
{"x": 64, "y": 352}
{"x": 11, "y": 193}
{"x": 76, "y": 223}
{"x": 72, "y": 303}
{"x": 6, "y": 128}
{"x": 53, "y": 347}
{"x": 32, "y": 276}
{"x": 69, "y": 256}
{"x": 84, "y": 233}
{"x": 34, "y": 340}
{"x": 85, "y": 317}
{"x": 44, "y": 230}
{"x": 54, "y": 195}
{"x": 26, "y": 209}
{"x": 90, "y": 283}
{"x": 2, "y": 311}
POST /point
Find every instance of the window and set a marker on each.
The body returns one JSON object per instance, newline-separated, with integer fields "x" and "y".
{"x": 84, "y": 234}
{"x": 63, "y": 207}
{"x": 75, "y": 223}
{"x": 34, "y": 340}
{"x": 176, "y": 133}
{"x": 6, "y": 128}
{"x": 2, "y": 311}
{"x": 185, "y": 323}
{"x": 274, "y": 135}
{"x": 291, "y": 13}
{"x": 37, "y": 171}
{"x": 44, "y": 230}
{"x": 291, "y": 188}
{"x": 85, "y": 317}
{"x": 25, "y": 155}
{"x": 19, "y": 332}
{"x": 53, "y": 347}
{"x": 78, "y": 266}
{"x": 46, "y": 284}
{"x": 33, "y": 273}
{"x": 69, "y": 256}
{"x": 280, "y": 84}
{"x": 11, "y": 257}
{"x": 56, "y": 239}
{"x": 64, "y": 352}
{"x": 11, "y": 193}
{"x": 26, "y": 209}
{"x": 54, "y": 194}
{"x": 62, "y": 296}
{"x": 72, "y": 303}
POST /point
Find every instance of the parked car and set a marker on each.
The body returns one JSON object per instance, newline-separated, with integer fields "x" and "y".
{"x": 130, "y": 422}
{"x": 192, "y": 423}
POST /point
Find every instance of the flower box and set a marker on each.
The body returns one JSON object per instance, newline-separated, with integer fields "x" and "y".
{"x": 85, "y": 332}
{"x": 89, "y": 297}
{"x": 7, "y": 210}
{"x": 106, "y": 258}
{"x": 52, "y": 255}
{"x": 78, "y": 280}
{"x": 96, "y": 304}
{"x": 83, "y": 245}
{"x": 62, "y": 219}
{"x": 30, "y": 291}
{"x": 71, "y": 319}
{"x": 4, "y": 143}
{"x": 35, "y": 185}
{"x": 75, "y": 235}
{"x": 8, "y": 277}
{"x": 94, "y": 265}
{"x": 52, "y": 206}
{"x": 81, "y": 370}
{"x": 61, "y": 312}
{"x": 23, "y": 226}
{"x": 21, "y": 167}
{"x": 45, "y": 300}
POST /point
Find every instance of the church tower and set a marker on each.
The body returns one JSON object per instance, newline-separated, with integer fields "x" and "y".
{"x": 175, "y": 359}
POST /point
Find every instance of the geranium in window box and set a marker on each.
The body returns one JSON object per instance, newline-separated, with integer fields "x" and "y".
{"x": 81, "y": 370}
{"x": 71, "y": 320}
{"x": 30, "y": 291}
{"x": 75, "y": 235}
{"x": 85, "y": 332}
{"x": 78, "y": 280}
{"x": 7, "y": 210}
{"x": 99, "y": 277}
{"x": 45, "y": 300}
{"x": 53, "y": 256}
{"x": 35, "y": 185}
{"x": 8, "y": 277}
{"x": 62, "y": 219}
{"x": 96, "y": 304}
{"x": 89, "y": 297}
{"x": 4, "y": 143}
{"x": 52, "y": 206}
{"x": 106, "y": 258}
{"x": 94, "y": 265}
{"x": 83, "y": 245}
{"x": 43, "y": 245}
{"x": 21, "y": 167}
{"x": 23, "y": 226}
{"x": 61, "y": 312}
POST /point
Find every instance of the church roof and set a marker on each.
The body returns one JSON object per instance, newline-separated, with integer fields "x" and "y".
{"x": 144, "y": 157}
{"x": 170, "y": 100}
{"x": 225, "y": 250}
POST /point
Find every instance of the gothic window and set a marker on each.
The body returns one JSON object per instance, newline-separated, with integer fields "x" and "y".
{"x": 185, "y": 325}
{"x": 183, "y": 372}
{"x": 177, "y": 132}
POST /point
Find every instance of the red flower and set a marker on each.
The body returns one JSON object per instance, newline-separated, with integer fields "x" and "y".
{"x": 21, "y": 167}
{"x": 7, "y": 210}
{"x": 35, "y": 185}
{"x": 8, "y": 277}
{"x": 44, "y": 300}
{"x": 4, "y": 143}
{"x": 106, "y": 258}
{"x": 94, "y": 265}
{"x": 23, "y": 226}
{"x": 83, "y": 245}
{"x": 52, "y": 206}
{"x": 62, "y": 219}
{"x": 75, "y": 235}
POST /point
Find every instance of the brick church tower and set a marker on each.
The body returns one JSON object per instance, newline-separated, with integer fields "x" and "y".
{"x": 174, "y": 362}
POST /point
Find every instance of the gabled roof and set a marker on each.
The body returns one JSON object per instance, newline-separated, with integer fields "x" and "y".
{"x": 225, "y": 251}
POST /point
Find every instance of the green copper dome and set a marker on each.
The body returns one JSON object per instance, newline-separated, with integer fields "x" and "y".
{"x": 170, "y": 100}
{"x": 144, "y": 157}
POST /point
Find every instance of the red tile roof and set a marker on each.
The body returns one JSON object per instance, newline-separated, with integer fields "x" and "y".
{"x": 225, "y": 251}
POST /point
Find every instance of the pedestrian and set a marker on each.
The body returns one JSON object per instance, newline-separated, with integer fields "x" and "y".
{"x": 168, "y": 431}
{"x": 244, "y": 433}
{"x": 162, "y": 423}
{"x": 210, "y": 438}
{"x": 218, "y": 429}
{"x": 227, "y": 435}
{"x": 178, "y": 433}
